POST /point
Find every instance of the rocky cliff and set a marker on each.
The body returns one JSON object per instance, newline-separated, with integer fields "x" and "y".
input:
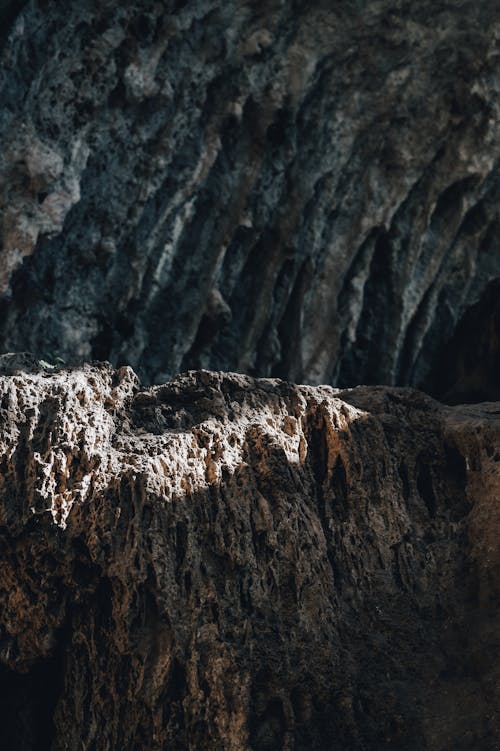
{"x": 229, "y": 563}
{"x": 306, "y": 190}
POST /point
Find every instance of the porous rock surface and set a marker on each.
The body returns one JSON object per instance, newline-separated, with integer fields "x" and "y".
{"x": 229, "y": 563}
{"x": 307, "y": 190}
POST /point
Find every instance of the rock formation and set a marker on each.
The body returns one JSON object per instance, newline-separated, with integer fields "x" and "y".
{"x": 229, "y": 563}
{"x": 307, "y": 190}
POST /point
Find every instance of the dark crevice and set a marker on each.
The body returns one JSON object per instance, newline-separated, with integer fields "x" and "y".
{"x": 28, "y": 702}
{"x": 340, "y": 488}
{"x": 289, "y": 329}
{"x": 425, "y": 485}
{"x": 9, "y": 11}
{"x": 373, "y": 351}
{"x": 418, "y": 323}
{"x": 468, "y": 367}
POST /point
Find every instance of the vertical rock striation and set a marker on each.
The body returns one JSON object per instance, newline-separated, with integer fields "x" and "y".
{"x": 229, "y": 563}
{"x": 304, "y": 190}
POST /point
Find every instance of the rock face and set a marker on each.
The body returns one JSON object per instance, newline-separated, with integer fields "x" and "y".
{"x": 303, "y": 190}
{"x": 306, "y": 191}
{"x": 230, "y": 563}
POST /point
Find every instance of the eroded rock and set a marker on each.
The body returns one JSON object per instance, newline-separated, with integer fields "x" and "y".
{"x": 228, "y": 563}
{"x": 324, "y": 174}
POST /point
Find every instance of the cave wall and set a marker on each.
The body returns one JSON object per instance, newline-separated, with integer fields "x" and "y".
{"x": 302, "y": 190}
{"x": 306, "y": 190}
{"x": 238, "y": 564}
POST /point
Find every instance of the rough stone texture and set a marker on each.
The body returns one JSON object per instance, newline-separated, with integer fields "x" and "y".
{"x": 230, "y": 563}
{"x": 299, "y": 189}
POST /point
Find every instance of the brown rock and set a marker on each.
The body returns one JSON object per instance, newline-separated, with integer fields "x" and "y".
{"x": 230, "y": 563}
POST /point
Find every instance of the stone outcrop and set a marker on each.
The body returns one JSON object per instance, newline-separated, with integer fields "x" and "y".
{"x": 229, "y": 563}
{"x": 304, "y": 190}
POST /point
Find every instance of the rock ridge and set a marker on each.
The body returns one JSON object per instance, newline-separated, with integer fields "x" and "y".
{"x": 225, "y": 562}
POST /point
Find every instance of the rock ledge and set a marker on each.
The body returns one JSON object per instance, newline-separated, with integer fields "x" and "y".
{"x": 229, "y": 563}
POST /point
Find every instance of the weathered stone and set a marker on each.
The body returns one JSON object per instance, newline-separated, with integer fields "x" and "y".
{"x": 229, "y": 563}
{"x": 304, "y": 190}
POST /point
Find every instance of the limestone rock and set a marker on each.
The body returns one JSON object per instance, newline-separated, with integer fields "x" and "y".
{"x": 228, "y": 563}
{"x": 304, "y": 190}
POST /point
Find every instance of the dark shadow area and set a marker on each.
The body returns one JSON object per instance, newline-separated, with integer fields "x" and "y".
{"x": 27, "y": 705}
{"x": 468, "y": 368}
{"x": 9, "y": 9}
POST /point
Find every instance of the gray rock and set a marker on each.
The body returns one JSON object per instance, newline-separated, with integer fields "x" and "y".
{"x": 305, "y": 190}
{"x": 22, "y": 362}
